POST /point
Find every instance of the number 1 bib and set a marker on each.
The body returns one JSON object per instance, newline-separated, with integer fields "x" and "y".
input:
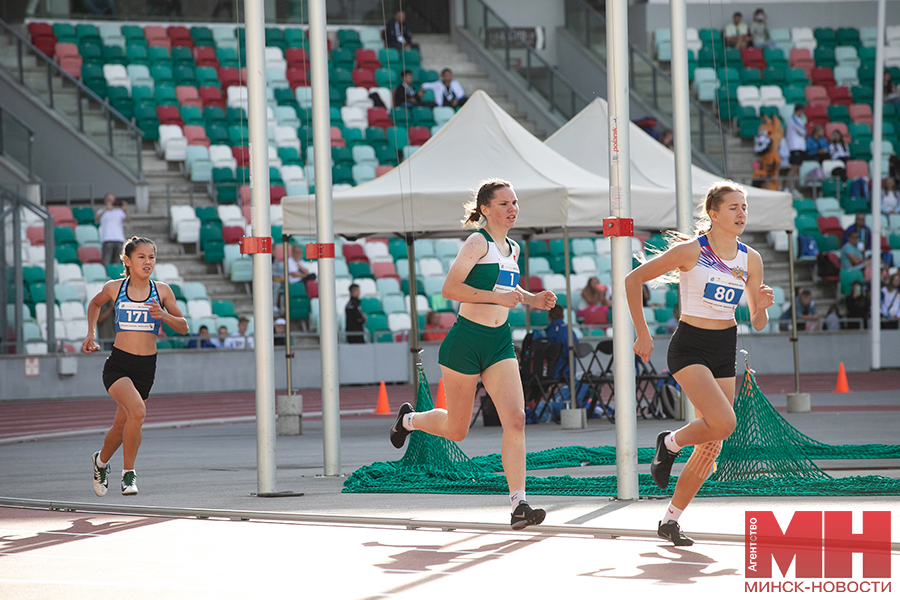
{"x": 722, "y": 292}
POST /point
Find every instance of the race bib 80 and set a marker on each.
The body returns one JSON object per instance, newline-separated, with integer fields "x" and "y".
{"x": 722, "y": 293}
{"x": 134, "y": 316}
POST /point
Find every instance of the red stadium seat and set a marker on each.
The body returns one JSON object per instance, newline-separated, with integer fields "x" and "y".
{"x": 816, "y": 115}
{"x": 297, "y": 77}
{"x": 62, "y": 216}
{"x": 363, "y": 78}
{"x": 800, "y": 58}
{"x": 822, "y": 76}
{"x": 206, "y": 57}
{"x": 169, "y": 115}
{"x": 367, "y": 59}
{"x": 229, "y": 76}
{"x": 89, "y": 254}
{"x": 196, "y": 135}
{"x": 379, "y": 117}
{"x": 276, "y": 193}
{"x": 232, "y": 234}
{"x": 35, "y": 235}
{"x": 42, "y": 37}
{"x": 157, "y": 36}
{"x": 297, "y": 58}
{"x": 753, "y": 58}
{"x": 382, "y": 169}
{"x": 354, "y": 252}
{"x": 188, "y": 96}
{"x": 857, "y": 169}
{"x": 837, "y": 126}
{"x": 830, "y": 226}
{"x": 241, "y": 155}
{"x": 212, "y": 96}
{"x": 419, "y": 135}
{"x": 861, "y": 113}
{"x": 816, "y": 95}
{"x": 840, "y": 95}
{"x": 312, "y": 289}
{"x": 384, "y": 269}
{"x": 337, "y": 138}
{"x": 180, "y": 36}
{"x": 535, "y": 284}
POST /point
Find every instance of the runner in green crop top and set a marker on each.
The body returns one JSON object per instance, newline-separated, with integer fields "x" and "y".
{"x": 484, "y": 279}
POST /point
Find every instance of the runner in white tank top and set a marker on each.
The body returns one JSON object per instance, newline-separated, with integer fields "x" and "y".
{"x": 715, "y": 271}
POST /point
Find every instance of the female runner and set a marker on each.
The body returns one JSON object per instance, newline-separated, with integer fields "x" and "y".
{"x": 484, "y": 279}
{"x": 715, "y": 270}
{"x": 131, "y": 367}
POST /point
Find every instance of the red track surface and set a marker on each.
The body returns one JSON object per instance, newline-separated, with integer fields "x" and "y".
{"x": 38, "y": 417}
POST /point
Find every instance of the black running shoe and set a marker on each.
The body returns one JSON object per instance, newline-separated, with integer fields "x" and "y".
{"x": 672, "y": 532}
{"x": 398, "y": 431}
{"x": 524, "y": 516}
{"x": 663, "y": 459}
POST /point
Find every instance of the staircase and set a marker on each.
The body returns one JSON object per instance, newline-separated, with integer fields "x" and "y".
{"x": 439, "y": 52}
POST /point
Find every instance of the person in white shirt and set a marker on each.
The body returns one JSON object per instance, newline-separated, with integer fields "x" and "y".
{"x": 796, "y": 140}
{"x": 736, "y": 33}
{"x": 219, "y": 342}
{"x": 448, "y": 91}
{"x": 239, "y": 340}
{"x": 298, "y": 269}
{"x": 111, "y": 218}
{"x": 890, "y": 198}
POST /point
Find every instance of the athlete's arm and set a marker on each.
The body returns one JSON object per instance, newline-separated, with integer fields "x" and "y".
{"x": 759, "y": 296}
{"x": 681, "y": 256}
{"x": 172, "y": 315}
{"x": 454, "y": 285}
{"x": 107, "y": 293}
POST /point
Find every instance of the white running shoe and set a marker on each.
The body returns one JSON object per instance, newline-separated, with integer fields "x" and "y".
{"x": 101, "y": 476}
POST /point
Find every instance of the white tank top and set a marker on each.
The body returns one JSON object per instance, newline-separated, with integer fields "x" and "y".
{"x": 713, "y": 288}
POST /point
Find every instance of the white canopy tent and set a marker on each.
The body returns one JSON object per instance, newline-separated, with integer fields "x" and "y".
{"x": 584, "y": 140}
{"x": 426, "y": 192}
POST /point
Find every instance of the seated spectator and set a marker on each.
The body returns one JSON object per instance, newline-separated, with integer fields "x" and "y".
{"x": 833, "y": 318}
{"x": 865, "y": 234}
{"x": 759, "y": 30}
{"x": 890, "y": 301}
{"x": 397, "y": 34}
{"x": 406, "y": 95}
{"x": 239, "y": 340}
{"x": 280, "y": 332}
{"x": 891, "y": 90}
{"x": 593, "y": 294}
{"x": 219, "y": 342}
{"x": 807, "y": 316}
{"x": 817, "y": 145}
{"x": 447, "y": 91}
{"x": 433, "y": 331}
{"x": 298, "y": 270}
{"x": 201, "y": 340}
{"x": 894, "y": 167}
{"x": 851, "y": 256}
{"x": 837, "y": 147}
{"x": 890, "y": 198}
{"x": 667, "y": 139}
{"x": 857, "y": 306}
{"x": 558, "y": 331}
{"x": 736, "y": 33}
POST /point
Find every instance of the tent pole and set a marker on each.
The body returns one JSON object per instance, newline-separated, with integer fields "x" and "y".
{"x": 620, "y": 207}
{"x": 877, "y": 129}
{"x": 287, "y": 315}
{"x": 570, "y": 319}
{"x": 527, "y": 275}
{"x": 681, "y": 118}
{"x": 328, "y": 331}
{"x": 413, "y": 289}
{"x": 254, "y": 14}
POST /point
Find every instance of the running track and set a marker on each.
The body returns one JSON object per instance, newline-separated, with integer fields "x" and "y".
{"x": 41, "y": 417}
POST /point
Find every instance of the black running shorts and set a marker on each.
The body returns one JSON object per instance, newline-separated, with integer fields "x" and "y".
{"x": 715, "y": 349}
{"x": 140, "y": 369}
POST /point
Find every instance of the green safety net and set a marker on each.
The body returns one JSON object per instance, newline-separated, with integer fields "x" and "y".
{"x": 765, "y": 456}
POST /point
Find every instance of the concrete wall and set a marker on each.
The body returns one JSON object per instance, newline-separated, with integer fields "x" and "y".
{"x": 61, "y": 154}
{"x": 644, "y": 17}
{"x": 204, "y": 371}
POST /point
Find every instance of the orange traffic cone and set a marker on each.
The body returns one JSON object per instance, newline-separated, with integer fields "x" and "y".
{"x": 441, "y": 400}
{"x": 842, "y": 386}
{"x": 383, "y": 408}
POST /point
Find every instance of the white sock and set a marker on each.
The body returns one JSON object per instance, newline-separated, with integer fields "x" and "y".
{"x": 517, "y": 498}
{"x": 100, "y": 463}
{"x": 671, "y": 444}
{"x": 125, "y": 471}
{"x": 672, "y": 513}
{"x": 407, "y": 421}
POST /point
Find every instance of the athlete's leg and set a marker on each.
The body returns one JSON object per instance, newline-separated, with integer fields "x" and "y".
{"x": 126, "y": 429}
{"x": 703, "y": 456}
{"x": 713, "y": 399}
{"x": 502, "y": 382}
{"x": 452, "y": 423}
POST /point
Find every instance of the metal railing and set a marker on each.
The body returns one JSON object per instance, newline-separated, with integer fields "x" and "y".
{"x": 649, "y": 81}
{"x": 120, "y": 138}
{"x": 16, "y": 140}
{"x": 509, "y": 47}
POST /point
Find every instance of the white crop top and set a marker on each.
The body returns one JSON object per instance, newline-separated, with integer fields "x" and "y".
{"x": 713, "y": 288}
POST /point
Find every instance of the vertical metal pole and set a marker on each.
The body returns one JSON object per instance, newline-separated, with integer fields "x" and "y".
{"x": 794, "y": 339}
{"x": 570, "y": 320}
{"x": 413, "y": 292}
{"x": 620, "y": 207}
{"x": 877, "y": 128}
{"x": 254, "y": 15}
{"x": 527, "y": 275}
{"x": 287, "y": 316}
{"x": 328, "y": 331}
{"x": 681, "y": 118}
{"x": 49, "y": 278}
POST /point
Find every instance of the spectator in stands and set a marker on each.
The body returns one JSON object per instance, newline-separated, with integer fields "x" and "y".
{"x": 768, "y": 165}
{"x": 112, "y": 218}
{"x": 277, "y": 284}
{"x": 219, "y": 342}
{"x": 106, "y": 325}
{"x": 837, "y": 147}
{"x": 558, "y": 332}
{"x": 667, "y": 139}
{"x": 890, "y": 198}
{"x": 891, "y": 90}
{"x": 354, "y": 317}
{"x": 280, "y": 332}
{"x": 448, "y": 91}
{"x": 890, "y": 301}
{"x": 201, "y": 340}
{"x": 759, "y": 30}
{"x": 298, "y": 269}
{"x": 736, "y": 33}
{"x": 397, "y": 34}
{"x": 851, "y": 256}
{"x": 864, "y": 241}
{"x": 406, "y": 95}
{"x": 857, "y": 306}
{"x": 807, "y": 315}
{"x": 817, "y": 145}
{"x": 433, "y": 331}
{"x": 894, "y": 167}
{"x": 239, "y": 340}
{"x": 833, "y": 318}
{"x": 593, "y": 294}
{"x": 796, "y": 142}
